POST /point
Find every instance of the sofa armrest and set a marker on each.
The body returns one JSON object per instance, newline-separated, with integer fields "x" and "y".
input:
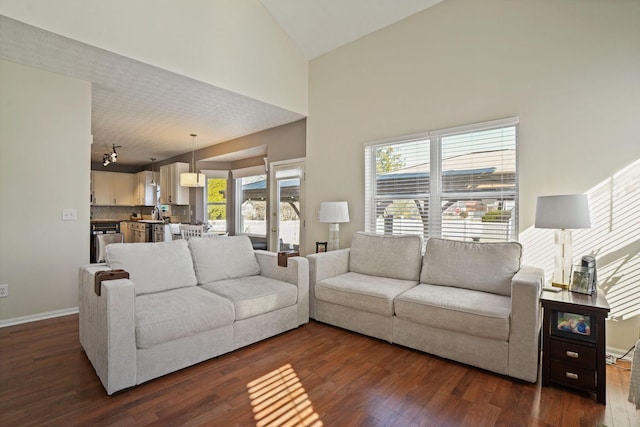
{"x": 296, "y": 272}
{"x": 524, "y": 338}
{"x": 107, "y": 328}
{"x": 323, "y": 266}
{"x": 116, "y": 335}
{"x": 88, "y": 307}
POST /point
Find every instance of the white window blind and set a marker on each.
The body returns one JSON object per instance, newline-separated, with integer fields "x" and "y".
{"x": 398, "y": 190}
{"x": 218, "y": 174}
{"x": 250, "y": 171}
{"x": 458, "y": 183}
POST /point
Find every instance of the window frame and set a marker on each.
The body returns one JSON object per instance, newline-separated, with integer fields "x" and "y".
{"x": 222, "y": 175}
{"x": 238, "y": 202}
{"x": 435, "y": 192}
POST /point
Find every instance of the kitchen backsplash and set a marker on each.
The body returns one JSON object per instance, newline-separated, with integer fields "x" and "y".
{"x": 124, "y": 213}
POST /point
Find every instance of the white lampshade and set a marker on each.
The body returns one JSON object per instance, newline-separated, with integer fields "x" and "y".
{"x": 192, "y": 179}
{"x": 333, "y": 212}
{"x": 569, "y": 211}
{"x": 562, "y": 213}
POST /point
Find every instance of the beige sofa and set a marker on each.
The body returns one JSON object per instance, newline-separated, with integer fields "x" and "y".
{"x": 466, "y": 301}
{"x": 185, "y": 302}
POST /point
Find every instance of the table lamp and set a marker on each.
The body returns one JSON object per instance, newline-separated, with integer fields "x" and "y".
{"x": 562, "y": 213}
{"x": 333, "y": 213}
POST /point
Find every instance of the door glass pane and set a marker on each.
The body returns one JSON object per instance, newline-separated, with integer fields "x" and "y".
{"x": 253, "y": 205}
{"x": 289, "y": 214}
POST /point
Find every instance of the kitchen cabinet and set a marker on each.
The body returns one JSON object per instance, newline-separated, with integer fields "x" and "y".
{"x": 101, "y": 188}
{"x": 158, "y": 232}
{"x": 139, "y": 231}
{"x": 122, "y": 189}
{"x": 171, "y": 193}
{"x": 111, "y": 188}
{"x": 144, "y": 193}
{"x": 127, "y": 232}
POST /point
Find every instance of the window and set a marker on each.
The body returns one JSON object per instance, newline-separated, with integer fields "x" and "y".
{"x": 217, "y": 204}
{"x": 458, "y": 183}
{"x": 252, "y": 201}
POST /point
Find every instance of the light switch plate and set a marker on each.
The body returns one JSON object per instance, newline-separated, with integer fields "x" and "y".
{"x": 69, "y": 214}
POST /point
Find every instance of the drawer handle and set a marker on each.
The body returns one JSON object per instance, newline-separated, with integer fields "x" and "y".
{"x": 571, "y": 375}
{"x": 572, "y": 354}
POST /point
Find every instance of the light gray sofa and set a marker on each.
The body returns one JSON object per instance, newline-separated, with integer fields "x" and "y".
{"x": 185, "y": 302}
{"x": 466, "y": 301}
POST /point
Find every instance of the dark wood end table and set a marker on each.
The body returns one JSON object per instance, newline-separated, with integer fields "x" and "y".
{"x": 573, "y": 350}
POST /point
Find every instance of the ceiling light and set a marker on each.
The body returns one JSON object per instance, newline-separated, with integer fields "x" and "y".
{"x": 193, "y": 178}
{"x": 153, "y": 182}
{"x": 112, "y": 157}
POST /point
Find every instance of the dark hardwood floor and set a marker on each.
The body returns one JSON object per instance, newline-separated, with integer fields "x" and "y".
{"x": 315, "y": 375}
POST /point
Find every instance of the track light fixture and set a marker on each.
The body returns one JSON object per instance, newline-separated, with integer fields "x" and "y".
{"x": 112, "y": 157}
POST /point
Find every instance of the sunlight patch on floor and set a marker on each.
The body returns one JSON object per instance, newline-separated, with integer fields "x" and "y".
{"x": 279, "y": 399}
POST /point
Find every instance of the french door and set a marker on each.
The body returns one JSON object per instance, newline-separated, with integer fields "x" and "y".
{"x": 287, "y": 205}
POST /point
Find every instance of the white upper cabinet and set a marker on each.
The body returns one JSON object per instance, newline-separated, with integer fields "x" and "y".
{"x": 144, "y": 193}
{"x": 112, "y": 188}
{"x": 171, "y": 193}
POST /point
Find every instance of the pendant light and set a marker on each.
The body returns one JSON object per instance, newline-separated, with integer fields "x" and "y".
{"x": 153, "y": 182}
{"x": 193, "y": 179}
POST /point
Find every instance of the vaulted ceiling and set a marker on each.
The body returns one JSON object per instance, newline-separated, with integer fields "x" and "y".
{"x": 146, "y": 109}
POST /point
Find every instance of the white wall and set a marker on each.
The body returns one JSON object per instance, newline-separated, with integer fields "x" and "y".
{"x": 235, "y": 45}
{"x": 569, "y": 69}
{"x": 45, "y": 130}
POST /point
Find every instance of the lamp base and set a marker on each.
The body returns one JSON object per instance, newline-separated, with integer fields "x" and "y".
{"x": 334, "y": 237}
{"x": 560, "y": 285}
{"x": 562, "y": 260}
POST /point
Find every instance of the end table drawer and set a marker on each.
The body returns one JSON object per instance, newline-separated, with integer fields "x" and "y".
{"x": 573, "y": 354}
{"x": 572, "y": 375}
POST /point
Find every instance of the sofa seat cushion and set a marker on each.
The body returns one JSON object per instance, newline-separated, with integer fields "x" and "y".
{"x": 396, "y": 257}
{"x": 219, "y": 259}
{"x": 487, "y": 267}
{"x": 255, "y": 295}
{"x": 472, "y": 312}
{"x": 362, "y": 292}
{"x": 166, "y": 316}
{"x": 154, "y": 267}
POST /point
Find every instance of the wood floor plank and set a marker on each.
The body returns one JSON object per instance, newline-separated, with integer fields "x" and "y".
{"x": 315, "y": 375}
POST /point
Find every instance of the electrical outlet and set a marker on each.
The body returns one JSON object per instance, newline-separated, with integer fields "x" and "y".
{"x": 4, "y": 291}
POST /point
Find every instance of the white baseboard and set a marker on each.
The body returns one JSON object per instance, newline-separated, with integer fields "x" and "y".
{"x": 618, "y": 352}
{"x": 39, "y": 316}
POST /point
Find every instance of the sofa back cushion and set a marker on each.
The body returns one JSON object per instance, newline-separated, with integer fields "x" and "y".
{"x": 153, "y": 267}
{"x": 487, "y": 267}
{"x": 227, "y": 258}
{"x": 396, "y": 257}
